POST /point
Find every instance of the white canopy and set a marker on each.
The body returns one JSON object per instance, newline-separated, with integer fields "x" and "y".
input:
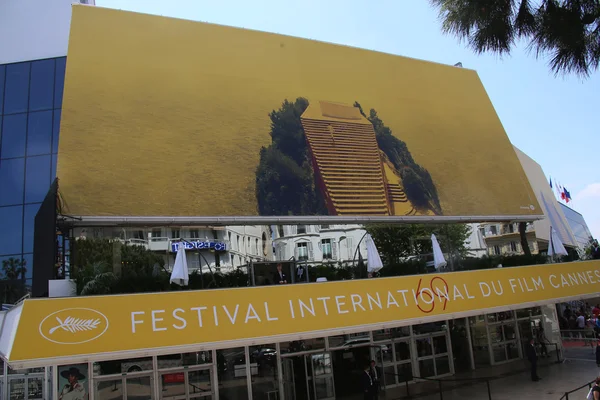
{"x": 374, "y": 263}
{"x": 180, "y": 275}
{"x": 438, "y": 257}
{"x": 555, "y": 247}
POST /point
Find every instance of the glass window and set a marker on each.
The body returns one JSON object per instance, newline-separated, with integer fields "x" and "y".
{"x": 402, "y": 350}
{"x": 37, "y": 178}
{"x": 28, "y": 258}
{"x": 384, "y": 334}
{"x": 41, "y": 85}
{"x": 28, "y": 225}
{"x": 529, "y": 312}
{"x": 185, "y": 359}
{"x": 424, "y": 347}
{"x": 55, "y": 129}
{"x": 355, "y": 339}
{"x": 442, "y": 365}
{"x": 426, "y": 368}
{"x": 2, "y": 71}
{"x": 326, "y": 248}
{"x": 39, "y": 133}
{"x": 109, "y": 390}
{"x": 16, "y": 91}
{"x": 231, "y": 364}
{"x": 53, "y": 168}
{"x": 59, "y": 83}
{"x": 122, "y": 366}
{"x": 302, "y": 345}
{"x": 302, "y": 251}
{"x": 13, "y": 135}
{"x": 12, "y": 230}
{"x": 12, "y": 181}
{"x": 263, "y": 367}
{"x": 440, "y": 345}
{"x": 430, "y": 327}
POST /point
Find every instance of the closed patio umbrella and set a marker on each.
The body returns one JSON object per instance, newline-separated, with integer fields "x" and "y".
{"x": 374, "y": 263}
{"x": 180, "y": 275}
{"x": 555, "y": 247}
{"x": 438, "y": 257}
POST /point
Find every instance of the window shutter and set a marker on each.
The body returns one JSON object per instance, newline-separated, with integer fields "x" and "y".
{"x": 320, "y": 244}
{"x": 296, "y": 252}
{"x": 310, "y": 251}
{"x": 293, "y": 229}
{"x": 334, "y": 249}
{"x": 350, "y": 246}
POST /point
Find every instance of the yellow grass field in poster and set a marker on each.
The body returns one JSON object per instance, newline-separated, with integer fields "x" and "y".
{"x": 178, "y": 118}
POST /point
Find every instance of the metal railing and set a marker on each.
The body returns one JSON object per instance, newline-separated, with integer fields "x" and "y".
{"x": 587, "y": 386}
{"x": 440, "y": 384}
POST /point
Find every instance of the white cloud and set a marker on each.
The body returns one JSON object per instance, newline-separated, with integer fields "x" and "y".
{"x": 587, "y": 202}
{"x": 590, "y": 191}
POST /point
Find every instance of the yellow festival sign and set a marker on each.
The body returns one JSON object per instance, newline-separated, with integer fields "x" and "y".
{"x": 80, "y": 326}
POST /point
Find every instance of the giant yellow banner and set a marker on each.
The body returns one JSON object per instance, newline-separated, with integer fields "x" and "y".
{"x": 111, "y": 324}
{"x": 165, "y": 117}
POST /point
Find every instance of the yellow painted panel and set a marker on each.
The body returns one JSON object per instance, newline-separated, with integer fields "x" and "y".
{"x": 105, "y": 324}
{"x": 167, "y": 117}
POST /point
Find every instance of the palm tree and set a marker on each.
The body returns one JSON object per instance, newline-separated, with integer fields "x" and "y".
{"x": 567, "y": 30}
{"x": 13, "y": 275}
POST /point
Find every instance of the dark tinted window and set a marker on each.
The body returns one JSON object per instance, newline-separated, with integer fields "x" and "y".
{"x": 53, "y": 172}
{"x": 37, "y": 178}
{"x": 55, "y": 128}
{"x": 12, "y": 230}
{"x": 59, "y": 82}
{"x": 41, "y": 85}
{"x": 16, "y": 91}
{"x": 39, "y": 133}
{"x": 29, "y": 265}
{"x": 12, "y": 181}
{"x": 2, "y": 70}
{"x": 13, "y": 135}
{"x": 28, "y": 224}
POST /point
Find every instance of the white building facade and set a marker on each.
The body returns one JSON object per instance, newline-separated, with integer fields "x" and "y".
{"x": 320, "y": 244}
{"x": 222, "y": 248}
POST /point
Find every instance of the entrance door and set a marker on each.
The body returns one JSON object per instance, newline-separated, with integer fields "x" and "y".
{"x": 320, "y": 372}
{"x": 134, "y": 385}
{"x": 186, "y": 384}
{"x": 26, "y": 386}
{"x": 289, "y": 381}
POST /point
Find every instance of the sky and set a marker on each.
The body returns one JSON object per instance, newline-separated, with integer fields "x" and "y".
{"x": 549, "y": 118}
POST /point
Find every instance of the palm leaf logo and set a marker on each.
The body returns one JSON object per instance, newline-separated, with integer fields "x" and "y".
{"x": 75, "y": 325}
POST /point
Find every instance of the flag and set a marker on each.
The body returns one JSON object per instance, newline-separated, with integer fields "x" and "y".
{"x": 567, "y": 194}
{"x": 551, "y": 183}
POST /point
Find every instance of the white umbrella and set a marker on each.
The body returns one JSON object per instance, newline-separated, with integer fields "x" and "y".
{"x": 438, "y": 256}
{"x": 180, "y": 275}
{"x": 555, "y": 247}
{"x": 374, "y": 263}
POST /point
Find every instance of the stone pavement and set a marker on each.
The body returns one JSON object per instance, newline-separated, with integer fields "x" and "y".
{"x": 556, "y": 380}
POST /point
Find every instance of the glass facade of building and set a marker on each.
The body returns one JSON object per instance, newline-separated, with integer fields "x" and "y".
{"x": 30, "y": 106}
{"x": 578, "y": 226}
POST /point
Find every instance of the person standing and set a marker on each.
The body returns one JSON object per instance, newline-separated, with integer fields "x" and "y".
{"x": 375, "y": 373}
{"x": 595, "y": 390}
{"x": 367, "y": 384}
{"x": 279, "y": 278}
{"x": 533, "y": 358}
{"x": 542, "y": 340}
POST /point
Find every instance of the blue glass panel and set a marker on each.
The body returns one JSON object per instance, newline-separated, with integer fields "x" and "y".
{"x": 29, "y": 265}
{"x": 59, "y": 83}
{"x": 55, "y": 129}
{"x": 2, "y": 71}
{"x": 12, "y": 181}
{"x": 37, "y": 178}
{"x": 39, "y": 133}
{"x": 11, "y": 234}
{"x": 53, "y": 172}
{"x": 16, "y": 92}
{"x": 41, "y": 86}
{"x": 13, "y": 135}
{"x": 28, "y": 224}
